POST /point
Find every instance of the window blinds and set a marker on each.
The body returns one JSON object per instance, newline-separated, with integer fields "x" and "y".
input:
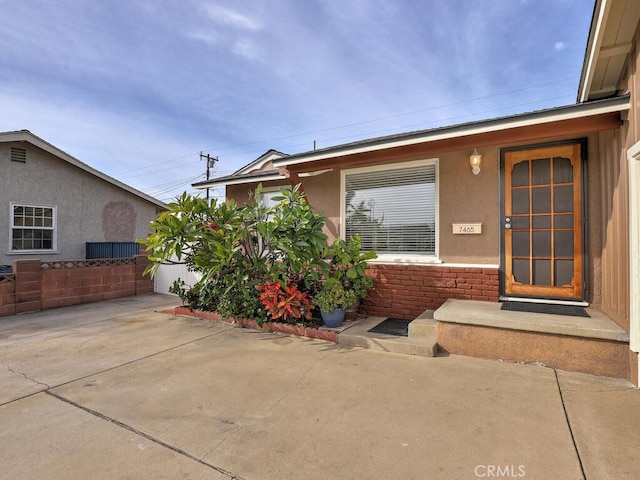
{"x": 393, "y": 211}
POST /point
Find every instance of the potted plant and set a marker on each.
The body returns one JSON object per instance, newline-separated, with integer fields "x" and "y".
{"x": 349, "y": 264}
{"x": 332, "y": 300}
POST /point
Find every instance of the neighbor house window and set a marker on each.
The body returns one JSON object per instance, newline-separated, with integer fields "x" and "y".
{"x": 266, "y": 197}
{"x": 393, "y": 209}
{"x": 33, "y": 228}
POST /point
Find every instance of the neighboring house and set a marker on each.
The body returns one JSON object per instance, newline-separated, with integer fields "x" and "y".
{"x": 551, "y": 217}
{"x": 51, "y": 204}
{"x": 261, "y": 170}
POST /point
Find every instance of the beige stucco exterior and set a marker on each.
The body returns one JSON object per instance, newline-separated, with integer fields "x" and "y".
{"x": 467, "y": 198}
{"x": 88, "y": 208}
{"x": 606, "y": 118}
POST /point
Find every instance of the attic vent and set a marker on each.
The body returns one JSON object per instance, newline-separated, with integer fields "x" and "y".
{"x": 18, "y": 155}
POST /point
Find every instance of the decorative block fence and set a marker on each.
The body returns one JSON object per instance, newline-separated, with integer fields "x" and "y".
{"x": 406, "y": 291}
{"x": 35, "y": 285}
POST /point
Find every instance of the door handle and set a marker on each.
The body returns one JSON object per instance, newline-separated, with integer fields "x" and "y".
{"x": 507, "y": 223}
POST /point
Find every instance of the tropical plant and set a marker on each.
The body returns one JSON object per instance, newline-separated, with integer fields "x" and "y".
{"x": 349, "y": 264}
{"x": 236, "y": 248}
{"x": 286, "y": 304}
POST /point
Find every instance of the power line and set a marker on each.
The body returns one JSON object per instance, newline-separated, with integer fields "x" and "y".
{"x": 159, "y": 163}
{"x": 426, "y": 109}
{"x": 402, "y": 128}
{"x": 322, "y": 130}
{"x": 422, "y": 124}
{"x": 179, "y": 182}
{"x": 170, "y": 186}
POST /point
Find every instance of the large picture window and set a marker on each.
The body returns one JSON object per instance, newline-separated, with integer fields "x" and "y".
{"x": 393, "y": 209}
{"x": 33, "y": 228}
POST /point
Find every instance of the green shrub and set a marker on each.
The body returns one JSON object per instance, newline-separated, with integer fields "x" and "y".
{"x": 236, "y": 248}
{"x": 333, "y": 295}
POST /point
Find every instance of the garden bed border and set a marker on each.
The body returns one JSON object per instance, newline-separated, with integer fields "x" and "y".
{"x": 272, "y": 327}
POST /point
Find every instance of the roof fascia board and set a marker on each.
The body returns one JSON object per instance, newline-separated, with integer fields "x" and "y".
{"x": 568, "y": 113}
{"x": 600, "y": 15}
{"x": 260, "y": 162}
{"x": 26, "y": 136}
{"x": 238, "y": 181}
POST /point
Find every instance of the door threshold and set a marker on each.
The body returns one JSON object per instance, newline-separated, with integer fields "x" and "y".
{"x": 576, "y": 303}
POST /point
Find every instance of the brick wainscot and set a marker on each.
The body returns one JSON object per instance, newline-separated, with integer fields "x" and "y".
{"x": 405, "y": 291}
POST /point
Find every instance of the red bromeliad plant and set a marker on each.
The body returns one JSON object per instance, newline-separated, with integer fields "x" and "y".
{"x": 286, "y": 304}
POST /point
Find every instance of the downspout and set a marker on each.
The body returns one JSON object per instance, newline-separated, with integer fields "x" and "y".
{"x": 633, "y": 157}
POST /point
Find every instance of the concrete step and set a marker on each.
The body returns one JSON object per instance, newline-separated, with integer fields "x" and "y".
{"x": 595, "y": 345}
{"x": 423, "y": 326}
{"x": 358, "y": 335}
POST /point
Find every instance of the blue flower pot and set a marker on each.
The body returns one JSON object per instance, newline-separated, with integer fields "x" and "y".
{"x": 333, "y": 319}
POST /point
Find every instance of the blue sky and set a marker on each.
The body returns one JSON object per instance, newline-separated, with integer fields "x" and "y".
{"x": 138, "y": 88}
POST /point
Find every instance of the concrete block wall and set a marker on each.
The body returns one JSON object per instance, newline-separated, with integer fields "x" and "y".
{"x": 405, "y": 291}
{"x": 7, "y": 294}
{"x": 36, "y": 285}
{"x": 28, "y": 285}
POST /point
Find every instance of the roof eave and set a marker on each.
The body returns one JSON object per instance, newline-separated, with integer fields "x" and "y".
{"x": 593, "y": 46}
{"x": 475, "y": 128}
{"x": 259, "y": 162}
{"x": 27, "y": 136}
{"x": 240, "y": 180}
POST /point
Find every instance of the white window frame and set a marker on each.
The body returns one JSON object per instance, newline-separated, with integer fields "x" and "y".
{"x": 268, "y": 193}
{"x": 397, "y": 258}
{"x": 53, "y": 228}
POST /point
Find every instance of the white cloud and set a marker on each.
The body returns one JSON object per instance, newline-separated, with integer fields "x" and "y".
{"x": 205, "y": 37}
{"x": 122, "y": 88}
{"x": 231, "y": 18}
{"x": 247, "y": 48}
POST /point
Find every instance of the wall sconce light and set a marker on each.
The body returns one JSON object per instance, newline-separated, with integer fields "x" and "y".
{"x": 474, "y": 160}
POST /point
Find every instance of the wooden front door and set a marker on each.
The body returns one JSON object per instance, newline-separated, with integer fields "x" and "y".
{"x": 543, "y": 222}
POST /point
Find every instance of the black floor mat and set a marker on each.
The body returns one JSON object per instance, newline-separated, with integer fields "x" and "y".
{"x": 392, "y": 326}
{"x": 550, "y": 309}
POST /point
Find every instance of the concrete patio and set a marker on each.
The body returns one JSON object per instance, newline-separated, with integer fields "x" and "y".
{"x": 117, "y": 389}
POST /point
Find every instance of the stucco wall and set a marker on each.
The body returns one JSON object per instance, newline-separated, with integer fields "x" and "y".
{"x": 321, "y": 191}
{"x": 468, "y": 198}
{"x": 463, "y": 197}
{"x": 88, "y": 208}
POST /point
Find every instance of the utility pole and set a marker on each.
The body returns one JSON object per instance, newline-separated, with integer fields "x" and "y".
{"x": 210, "y": 164}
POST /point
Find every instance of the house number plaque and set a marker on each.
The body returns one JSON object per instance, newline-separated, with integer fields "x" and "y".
{"x": 467, "y": 228}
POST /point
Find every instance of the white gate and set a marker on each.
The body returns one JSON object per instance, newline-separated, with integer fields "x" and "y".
{"x": 167, "y": 274}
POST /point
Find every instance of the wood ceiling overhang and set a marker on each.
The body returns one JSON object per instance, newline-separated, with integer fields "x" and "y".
{"x": 613, "y": 27}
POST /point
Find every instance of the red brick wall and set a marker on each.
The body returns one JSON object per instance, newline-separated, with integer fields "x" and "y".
{"x": 37, "y": 285}
{"x": 405, "y": 291}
